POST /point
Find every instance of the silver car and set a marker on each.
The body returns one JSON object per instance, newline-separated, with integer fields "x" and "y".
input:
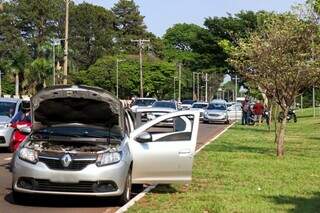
{"x": 9, "y": 107}
{"x": 84, "y": 143}
{"x": 216, "y": 112}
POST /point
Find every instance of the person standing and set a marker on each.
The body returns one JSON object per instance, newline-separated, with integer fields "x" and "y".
{"x": 245, "y": 111}
{"x": 258, "y": 110}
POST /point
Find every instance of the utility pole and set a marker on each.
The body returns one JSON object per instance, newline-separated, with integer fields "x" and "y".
{"x": 198, "y": 88}
{"x": 314, "y": 101}
{"x": 117, "y": 77}
{"x": 179, "y": 97}
{"x": 193, "y": 87}
{"x": 174, "y": 88}
{"x": 66, "y": 34}
{"x": 1, "y": 83}
{"x": 54, "y": 43}
{"x": 141, "y": 43}
{"x": 206, "y": 87}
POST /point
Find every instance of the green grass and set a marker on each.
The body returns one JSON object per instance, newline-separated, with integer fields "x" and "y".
{"x": 239, "y": 172}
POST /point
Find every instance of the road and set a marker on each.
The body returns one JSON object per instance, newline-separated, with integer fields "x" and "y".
{"x": 73, "y": 204}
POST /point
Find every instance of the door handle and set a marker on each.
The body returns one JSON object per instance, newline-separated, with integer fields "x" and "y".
{"x": 184, "y": 153}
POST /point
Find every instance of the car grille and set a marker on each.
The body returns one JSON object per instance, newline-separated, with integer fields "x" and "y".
{"x": 75, "y": 165}
{"x": 81, "y": 187}
{"x": 214, "y": 115}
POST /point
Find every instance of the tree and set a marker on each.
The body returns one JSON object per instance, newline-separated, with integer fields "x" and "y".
{"x": 279, "y": 59}
{"x": 38, "y": 21}
{"x": 157, "y": 74}
{"x": 129, "y": 24}
{"x": 91, "y": 33}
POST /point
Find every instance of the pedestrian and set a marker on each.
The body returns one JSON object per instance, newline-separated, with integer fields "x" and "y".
{"x": 258, "y": 110}
{"x": 245, "y": 111}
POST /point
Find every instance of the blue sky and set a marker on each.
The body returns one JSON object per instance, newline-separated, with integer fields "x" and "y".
{"x": 162, "y": 14}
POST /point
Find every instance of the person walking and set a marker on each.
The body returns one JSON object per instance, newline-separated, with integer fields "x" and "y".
{"x": 258, "y": 110}
{"x": 245, "y": 111}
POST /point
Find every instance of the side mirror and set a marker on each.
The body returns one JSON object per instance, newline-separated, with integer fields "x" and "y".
{"x": 144, "y": 137}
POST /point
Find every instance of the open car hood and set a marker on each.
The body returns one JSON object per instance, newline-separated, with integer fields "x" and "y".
{"x": 76, "y": 104}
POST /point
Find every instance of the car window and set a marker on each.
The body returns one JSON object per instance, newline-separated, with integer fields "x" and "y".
{"x": 143, "y": 102}
{"x": 199, "y": 106}
{"x": 174, "y": 129}
{"x": 164, "y": 104}
{"x": 7, "y": 108}
{"x": 217, "y": 106}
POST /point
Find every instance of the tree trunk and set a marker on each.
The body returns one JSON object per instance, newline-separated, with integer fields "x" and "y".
{"x": 281, "y": 134}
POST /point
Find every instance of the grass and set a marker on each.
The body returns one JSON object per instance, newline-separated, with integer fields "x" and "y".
{"x": 239, "y": 172}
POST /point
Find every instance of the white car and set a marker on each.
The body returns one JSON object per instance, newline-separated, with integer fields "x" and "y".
{"x": 186, "y": 104}
{"x": 84, "y": 143}
{"x": 200, "y": 107}
{"x": 234, "y": 111}
{"x": 142, "y": 103}
{"x": 216, "y": 112}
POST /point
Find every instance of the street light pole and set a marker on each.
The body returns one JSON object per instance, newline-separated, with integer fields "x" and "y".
{"x": 193, "y": 87}
{"x": 141, "y": 43}
{"x": 117, "y": 77}
{"x": 180, "y": 67}
{"x": 206, "y": 87}
{"x": 174, "y": 88}
{"x": 198, "y": 87}
{"x": 66, "y": 34}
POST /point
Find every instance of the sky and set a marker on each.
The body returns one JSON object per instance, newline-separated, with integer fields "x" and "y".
{"x": 162, "y": 14}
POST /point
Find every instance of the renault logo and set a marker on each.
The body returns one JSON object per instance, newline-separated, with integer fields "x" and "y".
{"x": 66, "y": 160}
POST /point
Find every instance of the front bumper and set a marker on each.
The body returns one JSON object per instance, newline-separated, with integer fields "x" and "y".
{"x": 115, "y": 174}
{"x": 215, "y": 119}
{"x": 5, "y": 136}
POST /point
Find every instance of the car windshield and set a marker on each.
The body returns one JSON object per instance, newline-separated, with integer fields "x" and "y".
{"x": 217, "y": 106}
{"x": 164, "y": 104}
{"x": 187, "y": 102}
{"x": 199, "y": 106}
{"x": 7, "y": 108}
{"x": 77, "y": 132}
{"x": 143, "y": 102}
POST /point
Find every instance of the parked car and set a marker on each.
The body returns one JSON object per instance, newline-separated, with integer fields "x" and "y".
{"x": 186, "y": 104}
{"x": 216, "y": 112}
{"x": 9, "y": 108}
{"x": 21, "y": 130}
{"x": 142, "y": 102}
{"x": 160, "y": 108}
{"x": 83, "y": 142}
{"x": 234, "y": 111}
{"x": 199, "y": 106}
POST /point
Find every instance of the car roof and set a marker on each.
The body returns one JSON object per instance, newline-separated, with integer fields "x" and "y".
{"x": 12, "y": 100}
{"x": 200, "y": 102}
{"x": 218, "y": 101}
{"x": 145, "y": 99}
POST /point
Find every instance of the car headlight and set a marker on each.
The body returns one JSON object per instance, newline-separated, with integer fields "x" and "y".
{"x": 5, "y": 125}
{"x": 108, "y": 158}
{"x": 206, "y": 114}
{"x": 28, "y": 155}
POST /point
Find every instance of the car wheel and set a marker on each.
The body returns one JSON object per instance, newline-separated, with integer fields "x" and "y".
{"x": 126, "y": 195}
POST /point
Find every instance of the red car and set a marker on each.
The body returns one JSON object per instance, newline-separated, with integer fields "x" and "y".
{"x": 21, "y": 131}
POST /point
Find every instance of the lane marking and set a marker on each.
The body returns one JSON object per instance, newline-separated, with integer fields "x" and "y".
{"x": 149, "y": 188}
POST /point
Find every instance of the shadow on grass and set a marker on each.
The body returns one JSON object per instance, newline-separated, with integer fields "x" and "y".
{"x": 164, "y": 189}
{"x": 301, "y": 204}
{"x": 237, "y": 148}
{"x": 254, "y": 129}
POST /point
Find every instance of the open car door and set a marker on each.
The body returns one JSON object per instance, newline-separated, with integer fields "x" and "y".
{"x": 163, "y": 148}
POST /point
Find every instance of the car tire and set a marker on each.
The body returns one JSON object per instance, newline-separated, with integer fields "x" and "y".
{"x": 126, "y": 195}
{"x": 137, "y": 188}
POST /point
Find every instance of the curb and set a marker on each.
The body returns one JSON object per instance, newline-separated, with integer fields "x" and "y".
{"x": 149, "y": 188}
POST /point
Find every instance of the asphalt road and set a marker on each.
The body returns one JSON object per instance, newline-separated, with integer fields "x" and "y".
{"x": 65, "y": 204}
